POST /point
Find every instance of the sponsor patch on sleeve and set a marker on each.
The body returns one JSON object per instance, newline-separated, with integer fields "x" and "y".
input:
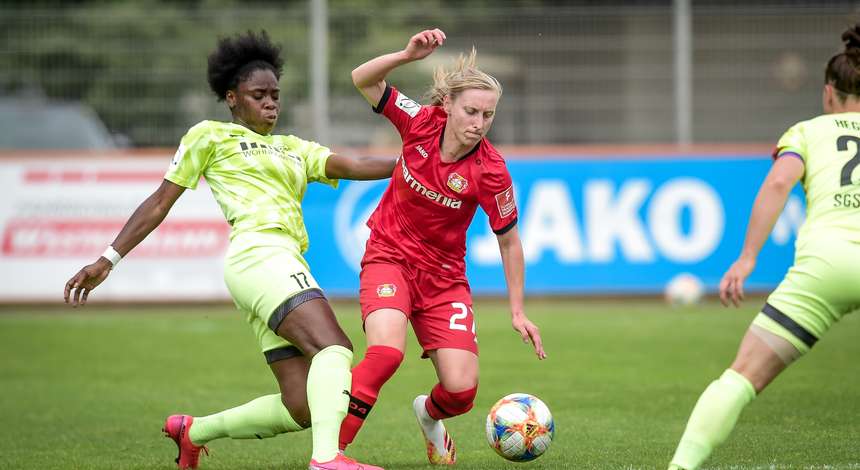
{"x": 407, "y": 105}
{"x": 505, "y": 202}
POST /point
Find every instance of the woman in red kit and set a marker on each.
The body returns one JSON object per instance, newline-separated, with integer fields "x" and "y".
{"x": 413, "y": 269}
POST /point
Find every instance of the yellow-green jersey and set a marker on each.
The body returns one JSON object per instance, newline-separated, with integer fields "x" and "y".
{"x": 823, "y": 284}
{"x": 830, "y": 148}
{"x": 258, "y": 180}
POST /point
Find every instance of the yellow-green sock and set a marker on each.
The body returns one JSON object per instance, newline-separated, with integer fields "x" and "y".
{"x": 258, "y": 419}
{"x": 713, "y": 419}
{"x": 329, "y": 380}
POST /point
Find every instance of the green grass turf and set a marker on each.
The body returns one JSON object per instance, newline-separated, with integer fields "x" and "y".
{"x": 89, "y": 389}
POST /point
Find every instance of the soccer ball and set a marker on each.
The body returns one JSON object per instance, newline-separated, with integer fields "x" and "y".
{"x": 684, "y": 289}
{"x": 520, "y": 427}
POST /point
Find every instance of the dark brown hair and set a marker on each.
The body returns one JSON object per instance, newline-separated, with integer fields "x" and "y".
{"x": 843, "y": 69}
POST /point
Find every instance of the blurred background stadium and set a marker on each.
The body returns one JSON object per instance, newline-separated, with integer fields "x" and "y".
{"x": 586, "y": 83}
{"x": 636, "y": 132}
{"x": 574, "y": 72}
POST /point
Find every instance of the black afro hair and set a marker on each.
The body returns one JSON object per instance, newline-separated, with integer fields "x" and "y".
{"x": 236, "y": 57}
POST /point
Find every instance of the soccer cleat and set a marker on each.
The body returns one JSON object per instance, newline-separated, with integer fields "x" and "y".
{"x": 341, "y": 462}
{"x": 440, "y": 446}
{"x": 176, "y": 427}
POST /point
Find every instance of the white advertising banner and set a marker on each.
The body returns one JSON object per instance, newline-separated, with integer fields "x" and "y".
{"x": 59, "y": 214}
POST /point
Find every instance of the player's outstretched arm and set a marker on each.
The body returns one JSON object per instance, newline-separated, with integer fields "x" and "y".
{"x": 769, "y": 202}
{"x": 511, "y": 249}
{"x": 144, "y": 220}
{"x": 369, "y": 77}
{"x": 359, "y": 168}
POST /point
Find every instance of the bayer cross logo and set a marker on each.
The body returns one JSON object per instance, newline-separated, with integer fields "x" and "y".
{"x": 354, "y": 206}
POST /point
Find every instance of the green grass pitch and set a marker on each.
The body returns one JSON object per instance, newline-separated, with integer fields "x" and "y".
{"x": 89, "y": 389}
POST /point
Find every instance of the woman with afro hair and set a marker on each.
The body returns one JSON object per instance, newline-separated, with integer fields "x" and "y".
{"x": 259, "y": 180}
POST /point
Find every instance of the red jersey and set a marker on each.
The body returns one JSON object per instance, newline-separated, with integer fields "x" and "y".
{"x": 428, "y": 206}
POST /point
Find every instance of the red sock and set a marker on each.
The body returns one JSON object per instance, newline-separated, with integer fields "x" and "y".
{"x": 368, "y": 377}
{"x": 444, "y": 404}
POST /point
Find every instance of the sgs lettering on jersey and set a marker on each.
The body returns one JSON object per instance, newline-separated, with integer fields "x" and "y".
{"x": 849, "y": 201}
{"x": 429, "y": 193}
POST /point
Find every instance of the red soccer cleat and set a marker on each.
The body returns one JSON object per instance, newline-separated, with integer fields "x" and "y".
{"x": 341, "y": 462}
{"x": 176, "y": 427}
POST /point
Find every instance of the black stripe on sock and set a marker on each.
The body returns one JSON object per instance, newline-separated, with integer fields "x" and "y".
{"x": 358, "y": 408}
{"x": 792, "y": 326}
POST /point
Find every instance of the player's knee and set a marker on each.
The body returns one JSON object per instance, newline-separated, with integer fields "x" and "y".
{"x": 313, "y": 345}
{"x": 341, "y": 340}
{"x": 461, "y": 381}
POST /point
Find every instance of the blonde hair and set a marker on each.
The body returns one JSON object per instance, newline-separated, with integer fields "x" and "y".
{"x": 465, "y": 75}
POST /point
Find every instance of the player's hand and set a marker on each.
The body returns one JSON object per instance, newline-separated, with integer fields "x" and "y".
{"x": 79, "y": 286}
{"x": 424, "y": 43}
{"x": 530, "y": 333}
{"x": 732, "y": 284}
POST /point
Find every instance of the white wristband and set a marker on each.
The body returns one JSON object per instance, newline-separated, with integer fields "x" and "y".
{"x": 112, "y": 256}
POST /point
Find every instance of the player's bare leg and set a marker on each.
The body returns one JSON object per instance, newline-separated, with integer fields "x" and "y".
{"x": 457, "y": 370}
{"x": 760, "y": 357}
{"x": 292, "y": 377}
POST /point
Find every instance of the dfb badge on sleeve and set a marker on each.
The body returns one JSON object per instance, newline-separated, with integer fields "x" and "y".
{"x": 505, "y": 202}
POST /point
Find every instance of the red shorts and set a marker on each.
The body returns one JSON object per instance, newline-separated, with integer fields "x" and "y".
{"x": 439, "y": 308}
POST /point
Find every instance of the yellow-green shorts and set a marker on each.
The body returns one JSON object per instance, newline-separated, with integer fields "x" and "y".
{"x": 267, "y": 278}
{"x": 820, "y": 288}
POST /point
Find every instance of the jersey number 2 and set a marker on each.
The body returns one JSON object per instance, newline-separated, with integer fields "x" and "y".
{"x": 842, "y": 145}
{"x": 464, "y": 312}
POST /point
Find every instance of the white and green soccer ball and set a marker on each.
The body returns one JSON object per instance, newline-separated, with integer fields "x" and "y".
{"x": 520, "y": 427}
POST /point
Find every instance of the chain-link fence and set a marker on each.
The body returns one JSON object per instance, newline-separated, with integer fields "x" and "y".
{"x": 573, "y": 73}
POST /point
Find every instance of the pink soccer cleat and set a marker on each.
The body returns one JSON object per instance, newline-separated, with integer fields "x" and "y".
{"x": 341, "y": 462}
{"x": 176, "y": 428}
